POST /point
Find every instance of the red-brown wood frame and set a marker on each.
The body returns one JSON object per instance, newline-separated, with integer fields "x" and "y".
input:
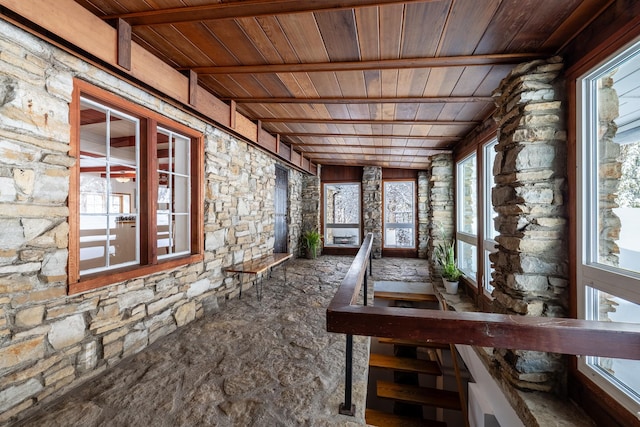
{"x": 599, "y": 404}
{"x": 148, "y": 179}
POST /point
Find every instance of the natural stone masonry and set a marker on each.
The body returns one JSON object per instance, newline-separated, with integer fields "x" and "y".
{"x": 311, "y": 196}
{"x": 531, "y": 264}
{"x": 441, "y": 200}
{"x": 372, "y": 206}
{"x": 250, "y": 363}
{"x": 296, "y": 183}
{"x": 51, "y": 342}
{"x": 423, "y": 214}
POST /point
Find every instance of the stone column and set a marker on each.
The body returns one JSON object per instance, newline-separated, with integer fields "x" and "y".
{"x": 531, "y": 264}
{"x": 372, "y": 206}
{"x": 311, "y": 194}
{"x": 423, "y": 214}
{"x": 441, "y": 201}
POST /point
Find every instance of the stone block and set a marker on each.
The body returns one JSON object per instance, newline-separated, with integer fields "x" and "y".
{"x": 134, "y": 298}
{"x": 113, "y": 349}
{"x": 135, "y": 341}
{"x": 186, "y": 313}
{"x": 22, "y": 352}
{"x": 66, "y": 375}
{"x": 163, "y": 303}
{"x": 54, "y": 265}
{"x": 66, "y": 332}
{"x": 18, "y": 393}
{"x": 40, "y": 295}
{"x": 12, "y": 236}
{"x": 30, "y": 317}
{"x": 88, "y": 357}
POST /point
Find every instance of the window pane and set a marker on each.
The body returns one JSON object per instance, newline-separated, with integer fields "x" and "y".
{"x": 610, "y": 172}
{"x": 617, "y": 205}
{"x": 399, "y": 212}
{"x": 467, "y": 259}
{"x": 467, "y": 196}
{"x": 108, "y": 180}
{"x": 488, "y": 272}
{"x": 174, "y": 202}
{"x": 342, "y": 236}
{"x": 622, "y": 373}
{"x": 342, "y": 214}
{"x": 489, "y": 182}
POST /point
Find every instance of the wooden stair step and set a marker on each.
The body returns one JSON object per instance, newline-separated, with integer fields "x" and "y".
{"x": 412, "y": 343}
{"x": 384, "y": 419}
{"x": 426, "y": 396}
{"x": 404, "y": 364}
{"x": 405, "y": 296}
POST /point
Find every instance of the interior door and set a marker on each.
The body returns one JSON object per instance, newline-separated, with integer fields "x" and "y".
{"x": 281, "y": 202}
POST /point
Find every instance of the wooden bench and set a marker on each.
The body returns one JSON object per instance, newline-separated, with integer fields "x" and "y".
{"x": 257, "y": 267}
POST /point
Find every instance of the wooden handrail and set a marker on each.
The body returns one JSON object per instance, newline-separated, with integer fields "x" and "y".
{"x": 557, "y": 335}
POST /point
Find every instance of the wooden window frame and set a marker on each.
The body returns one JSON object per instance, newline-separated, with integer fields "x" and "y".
{"x": 149, "y": 263}
{"x": 401, "y": 251}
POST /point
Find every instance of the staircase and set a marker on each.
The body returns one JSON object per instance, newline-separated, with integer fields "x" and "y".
{"x": 407, "y": 374}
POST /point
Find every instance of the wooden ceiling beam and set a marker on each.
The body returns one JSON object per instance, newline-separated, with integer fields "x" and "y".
{"x": 385, "y": 100}
{"x": 385, "y": 64}
{"x": 369, "y": 151}
{"x": 360, "y": 136}
{"x": 244, "y": 9}
{"x": 303, "y": 120}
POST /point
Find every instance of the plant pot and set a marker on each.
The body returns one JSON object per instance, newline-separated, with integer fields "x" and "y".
{"x": 450, "y": 287}
{"x": 311, "y": 253}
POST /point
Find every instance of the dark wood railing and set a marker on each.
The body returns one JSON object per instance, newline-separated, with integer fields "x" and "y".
{"x": 557, "y": 335}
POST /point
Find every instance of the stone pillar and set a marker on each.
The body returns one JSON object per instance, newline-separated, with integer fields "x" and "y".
{"x": 441, "y": 201}
{"x": 295, "y": 210}
{"x": 423, "y": 214}
{"x": 311, "y": 194}
{"x": 531, "y": 264}
{"x": 372, "y": 206}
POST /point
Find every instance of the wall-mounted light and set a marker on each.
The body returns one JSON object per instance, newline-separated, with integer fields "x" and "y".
{"x": 123, "y": 179}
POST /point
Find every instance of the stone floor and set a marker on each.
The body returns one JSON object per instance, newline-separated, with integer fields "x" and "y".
{"x": 253, "y": 363}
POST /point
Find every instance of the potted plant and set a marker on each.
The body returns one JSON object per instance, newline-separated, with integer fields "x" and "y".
{"x": 311, "y": 240}
{"x": 446, "y": 258}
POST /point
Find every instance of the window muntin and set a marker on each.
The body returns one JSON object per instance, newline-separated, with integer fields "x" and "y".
{"x": 399, "y": 214}
{"x": 490, "y": 232}
{"x": 608, "y": 278}
{"x": 467, "y": 216}
{"x": 342, "y": 215}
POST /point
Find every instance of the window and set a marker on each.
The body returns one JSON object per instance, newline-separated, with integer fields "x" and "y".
{"x": 467, "y": 216}
{"x": 490, "y": 232}
{"x": 342, "y": 214}
{"x": 137, "y": 200}
{"x": 399, "y": 214}
{"x": 609, "y": 237}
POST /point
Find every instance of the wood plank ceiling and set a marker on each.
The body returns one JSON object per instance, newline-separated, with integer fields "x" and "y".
{"x": 355, "y": 82}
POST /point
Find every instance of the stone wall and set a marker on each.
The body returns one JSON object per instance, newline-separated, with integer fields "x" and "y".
{"x": 51, "y": 342}
{"x": 531, "y": 264}
{"x": 441, "y": 215}
{"x": 372, "y": 206}
{"x": 423, "y": 214}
